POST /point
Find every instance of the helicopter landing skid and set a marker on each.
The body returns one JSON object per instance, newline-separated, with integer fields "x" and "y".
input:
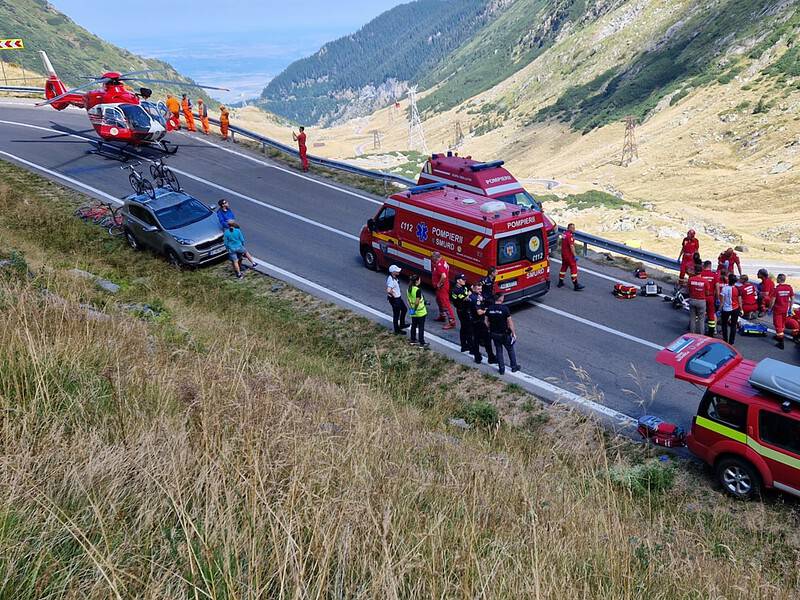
{"x": 164, "y": 147}
{"x": 109, "y": 151}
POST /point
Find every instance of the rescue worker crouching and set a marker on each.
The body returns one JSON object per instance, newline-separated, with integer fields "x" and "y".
{"x": 749, "y": 295}
{"x": 766, "y": 291}
{"x": 460, "y": 299}
{"x": 503, "y": 334}
{"x": 569, "y": 260}
{"x": 480, "y": 333}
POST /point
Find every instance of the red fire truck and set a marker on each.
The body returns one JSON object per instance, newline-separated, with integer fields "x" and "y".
{"x": 484, "y": 178}
{"x": 472, "y": 232}
{"x": 748, "y": 423}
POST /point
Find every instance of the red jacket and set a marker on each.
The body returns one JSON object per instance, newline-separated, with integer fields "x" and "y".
{"x": 713, "y": 279}
{"x": 699, "y": 287}
{"x": 784, "y": 295}
{"x": 727, "y": 261}
{"x": 749, "y": 297}
{"x": 567, "y": 241}
{"x": 767, "y": 289}
{"x": 688, "y": 248}
{"x": 440, "y": 268}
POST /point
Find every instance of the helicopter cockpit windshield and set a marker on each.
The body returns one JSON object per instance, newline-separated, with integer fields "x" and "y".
{"x": 157, "y": 111}
{"x": 136, "y": 116}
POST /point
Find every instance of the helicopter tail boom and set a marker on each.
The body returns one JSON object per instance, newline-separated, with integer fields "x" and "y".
{"x": 54, "y": 87}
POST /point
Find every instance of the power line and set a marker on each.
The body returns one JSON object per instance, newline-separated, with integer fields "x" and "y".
{"x": 416, "y": 134}
{"x": 630, "y": 149}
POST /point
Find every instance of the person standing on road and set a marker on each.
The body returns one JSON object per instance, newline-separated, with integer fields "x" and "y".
{"x": 395, "y": 299}
{"x": 712, "y": 277}
{"x": 234, "y": 244}
{"x": 224, "y": 214}
{"x": 501, "y": 329}
{"x": 480, "y": 333}
{"x": 569, "y": 259}
{"x": 766, "y": 292}
{"x": 174, "y": 108}
{"x": 698, "y": 301}
{"x": 186, "y": 107}
{"x": 487, "y": 285}
{"x": 300, "y": 138}
{"x": 418, "y": 311}
{"x": 730, "y": 297}
{"x": 781, "y": 305}
{"x": 440, "y": 276}
{"x": 202, "y": 113}
{"x": 224, "y": 122}
{"x": 460, "y": 297}
{"x": 689, "y": 246}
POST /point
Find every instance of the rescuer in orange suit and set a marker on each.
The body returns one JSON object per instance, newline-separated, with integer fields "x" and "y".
{"x": 224, "y": 122}
{"x": 202, "y": 112}
{"x": 186, "y": 107}
{"x": 568, "y": 259}
{"x": 174, "y": 108}
{"x": 689, "y": 246}
{"x": 300, "y": 138}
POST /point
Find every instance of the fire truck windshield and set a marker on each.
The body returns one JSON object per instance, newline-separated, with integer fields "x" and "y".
{"x": 522, "y": 198}
{"x": 136, "y": 116}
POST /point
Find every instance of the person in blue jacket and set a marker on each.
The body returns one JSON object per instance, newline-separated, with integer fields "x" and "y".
{"x": 234, "y": 244}
{"x": 224, "y": 214}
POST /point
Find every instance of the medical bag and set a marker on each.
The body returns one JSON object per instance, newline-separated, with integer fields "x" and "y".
{"x": 640, "y": 273}
{"x": 650, "y": 288}
{"x": 660, "y": 432}
{"x": 625, "y": 291}
{"x": 758, "y": 329}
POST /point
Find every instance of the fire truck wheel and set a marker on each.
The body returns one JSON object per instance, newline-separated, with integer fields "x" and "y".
{"x": 370, "y": 260}
{"x": 738, "y": 478}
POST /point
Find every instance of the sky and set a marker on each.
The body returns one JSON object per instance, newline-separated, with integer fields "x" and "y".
{"x": 239, "y": 44}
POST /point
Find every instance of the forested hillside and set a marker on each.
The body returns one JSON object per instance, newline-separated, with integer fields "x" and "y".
{"x": 401, "y": 46}
{"x": 74, "y": 51}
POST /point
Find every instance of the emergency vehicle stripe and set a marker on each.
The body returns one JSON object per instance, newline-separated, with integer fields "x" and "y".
{"x": 395, "y": 252}
{"x": 385, "y": 238}
{"x": 721, "y": 429}
{"x": 439, "y": 217}
{"x": 476, "y": 240}
{"x": 522, "y": 271}
{"x": 516, "y": 231}
{"x": 484, "y": 243}
{"x": 743, "y": 438}
{"x": 507, "y": 187}
{"x": 453, "y": 261}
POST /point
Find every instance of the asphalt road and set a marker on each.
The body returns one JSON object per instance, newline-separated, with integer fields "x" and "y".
{"x": 309, "y": 226}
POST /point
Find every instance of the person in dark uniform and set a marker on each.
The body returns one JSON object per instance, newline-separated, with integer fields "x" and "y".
{"x": 501, "y": 329}
{"x": 480, "y": 333}
{"x": 459, "y": 296}
{"x": 487, "y": 285}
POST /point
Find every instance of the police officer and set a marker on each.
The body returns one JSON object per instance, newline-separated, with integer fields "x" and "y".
{"x": 459, "y": 296}
{"x": 480, "y": 333}
{"x": 501, "y": 329}
{"x": 487, "y": 285}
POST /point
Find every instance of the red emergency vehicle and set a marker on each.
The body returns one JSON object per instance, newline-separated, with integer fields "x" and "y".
{"x": 472, "y": 232}
{"x": 484, "y": 178}
{"x": 748, "y": 423}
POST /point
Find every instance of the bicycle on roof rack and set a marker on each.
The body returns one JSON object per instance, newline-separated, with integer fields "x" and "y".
{"x": 164, "y": 176}
{"x": 139, "y": 183}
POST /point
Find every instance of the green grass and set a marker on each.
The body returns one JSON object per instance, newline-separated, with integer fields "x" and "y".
{"x": 590, "y": 199}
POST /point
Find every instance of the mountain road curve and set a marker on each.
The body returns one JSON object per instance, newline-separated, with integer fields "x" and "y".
{"x": 587, "y": 342}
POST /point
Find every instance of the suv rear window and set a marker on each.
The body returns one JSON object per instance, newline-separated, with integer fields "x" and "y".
{"x": 724, "y": 410}
{"x": 779, "y": 430}
{"x": 709, "y": 360}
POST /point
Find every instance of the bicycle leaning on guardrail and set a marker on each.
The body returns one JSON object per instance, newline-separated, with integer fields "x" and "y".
{"x": 139, "y": 183}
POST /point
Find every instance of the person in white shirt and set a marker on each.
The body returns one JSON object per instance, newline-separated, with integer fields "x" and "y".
{"x": 395, "y": 298}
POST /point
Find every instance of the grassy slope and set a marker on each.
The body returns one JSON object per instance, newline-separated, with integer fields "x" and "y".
{"x": 255, "y": 442}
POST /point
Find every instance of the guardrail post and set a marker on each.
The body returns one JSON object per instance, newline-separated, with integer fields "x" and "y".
{"x": 263, "y": 148}
{"x": 233, "y": 136}
{"x": 585, "y": 249}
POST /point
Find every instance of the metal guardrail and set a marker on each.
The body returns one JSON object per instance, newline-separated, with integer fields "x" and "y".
{"x": 618, "y": 248}
{"x": 18, "y": 88}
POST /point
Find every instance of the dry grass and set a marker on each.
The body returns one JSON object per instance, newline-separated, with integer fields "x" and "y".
{"x": 241, "y": 446}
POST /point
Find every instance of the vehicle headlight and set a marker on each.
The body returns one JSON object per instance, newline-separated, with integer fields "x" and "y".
{"x": 184, "y": 241}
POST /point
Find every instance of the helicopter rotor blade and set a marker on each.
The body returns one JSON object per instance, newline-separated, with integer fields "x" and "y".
{"x": 67, "y": 93}
{"x": 125, "y": 75}
{"x": 176, "y": 83}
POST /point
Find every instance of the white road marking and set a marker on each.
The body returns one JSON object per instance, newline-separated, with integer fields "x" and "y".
{"x": 535, "y": 382}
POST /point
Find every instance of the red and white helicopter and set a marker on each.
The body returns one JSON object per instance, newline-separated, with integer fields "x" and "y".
{"x": 116, "y": 113}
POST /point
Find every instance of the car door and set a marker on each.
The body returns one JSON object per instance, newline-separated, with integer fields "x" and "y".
{"x": 144, "y": 226}
{"x": 778, "y": 442}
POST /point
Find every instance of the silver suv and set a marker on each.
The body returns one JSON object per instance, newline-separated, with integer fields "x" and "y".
{"x": 174, "y": 224}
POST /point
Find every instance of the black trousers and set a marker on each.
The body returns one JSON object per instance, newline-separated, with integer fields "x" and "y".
{"x": 418, "y": 330}
{"x": 399, "y": 311}
{"x": 729, "y": 320}
{"x": 465, "y": 332}
{"x": 480, "y": 337}
{"x": 503, "y": 340}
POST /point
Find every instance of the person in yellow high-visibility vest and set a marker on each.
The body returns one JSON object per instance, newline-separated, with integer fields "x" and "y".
{"x": 418, "y": 312}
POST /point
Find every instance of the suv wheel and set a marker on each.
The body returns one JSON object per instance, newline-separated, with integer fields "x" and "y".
{"x": 370, "y": 260}
{"x": 132, "y": 241}
{"x": 738, "y": 478}
{"x": 173, "y": 259}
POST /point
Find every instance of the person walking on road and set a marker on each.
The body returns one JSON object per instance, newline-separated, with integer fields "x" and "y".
{"x": 781, "y": 306}
{"x": 480, "y": 333}
{"x": 698, "y": 292}
{"x": 460, "y": 297}
{"x": 186, "y": 108}
{"x": 395, "y": 299}
{"x": 202, "y": 113}
{"x": 501, "y": 328}
{"x": 224, "y": 122}
{"x": 300, "y": 138}
{"x": 224, "y": 214}
{"x": 234, "y": 244}
{"x": 730, "y": 299}
{"x": 569, "y": 260}
{"x": 418, "y": 312}
{"x": 440, "y": 276}
{"x": 689, "y": 246}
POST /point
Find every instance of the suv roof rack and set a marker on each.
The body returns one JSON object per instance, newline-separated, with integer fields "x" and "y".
{"x": 487, "y": 165}
{"x": 778, "y": 378}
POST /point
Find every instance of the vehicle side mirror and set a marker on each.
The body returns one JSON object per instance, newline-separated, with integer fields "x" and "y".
{"x": 151, "y": 229}
{"x": 371, "y": 224}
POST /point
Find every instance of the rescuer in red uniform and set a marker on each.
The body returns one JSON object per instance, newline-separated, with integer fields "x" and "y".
{"x": 781, "y": 304}
{"x": 793, "y": 325}
{"x": 727, "y": 260}
{"x": 767, "y": 292}
{"x": 300, "y": 138}
{"x": 749, "y": 297}
{"x": 712, "y": 294}
{"x": 689, "y": 246}
{"x": 568, "y": 260}
{"x": 440, "y": 276}
{"x": 699, "y": 288}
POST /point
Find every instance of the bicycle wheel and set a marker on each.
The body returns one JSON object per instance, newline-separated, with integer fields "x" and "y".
{"x": 147, "y": 188}
{"x": 154, "y": 171}
{"x": 135, "y": 180}
{"x": 171, "y": 180}
{"x": 116, "y": 229}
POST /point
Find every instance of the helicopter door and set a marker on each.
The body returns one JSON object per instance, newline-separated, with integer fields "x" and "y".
{"x": 113, "y": 117}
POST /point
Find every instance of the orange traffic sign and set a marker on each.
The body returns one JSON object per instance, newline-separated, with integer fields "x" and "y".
{"x": 11, "y": 44}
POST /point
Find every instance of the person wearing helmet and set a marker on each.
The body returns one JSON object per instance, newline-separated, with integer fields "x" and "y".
{"x": 689, "y": 246}
{"x": 224, "y": 122}
{"x": 186, "y": 107}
